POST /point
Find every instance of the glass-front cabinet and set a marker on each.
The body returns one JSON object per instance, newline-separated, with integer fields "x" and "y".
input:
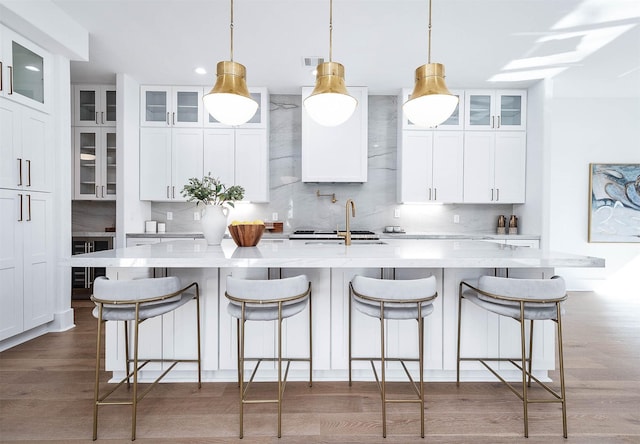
{"x": 501, "y": 110}
{"x": 454, "y": 122}
{"x": 95, "y": 164}
{"x": 166, "y": 106}
{"x": 25, "y": 71}
{"x": 94, "y": 105}
{"x": 259, "y": 119}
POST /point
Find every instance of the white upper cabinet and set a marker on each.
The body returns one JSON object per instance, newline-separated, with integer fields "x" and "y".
{"x": 168, "y": 158}
{"x": 239, "y": 157}
{"x": 454, "y": 122}
{"x": 259, "y": 120}
{"x": 25, "y": 71}
{"x": 501, "y": 110}
{"x": 167, "y": 106}
{"x": 95, "y": 163}
{"x": 338, "y": 153}
{"x": 494, "y": 167}
{"x": 25, "y": 148}
{"x": 430, "y": 167}
{"x": 94, "y": 105}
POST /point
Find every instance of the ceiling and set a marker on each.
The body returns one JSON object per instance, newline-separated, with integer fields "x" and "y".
{"x": 482, "y": 43}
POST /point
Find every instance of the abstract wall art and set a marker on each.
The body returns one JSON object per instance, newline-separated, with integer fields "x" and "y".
{"x": 614, "y": 204}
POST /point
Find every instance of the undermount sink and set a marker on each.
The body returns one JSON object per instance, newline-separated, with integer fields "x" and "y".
{"x": 353, "y": 242}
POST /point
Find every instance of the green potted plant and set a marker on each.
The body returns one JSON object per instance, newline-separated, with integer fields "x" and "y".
{"x": 216, "y": 198}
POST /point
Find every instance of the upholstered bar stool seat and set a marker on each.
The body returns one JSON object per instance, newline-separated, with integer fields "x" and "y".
{"x": 134, "y": 301}
{"x": 399, "y": 300}
{"x": 267, "y": 300}
{"x": 523, "y": 300}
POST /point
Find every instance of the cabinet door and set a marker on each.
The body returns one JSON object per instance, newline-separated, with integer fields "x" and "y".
{"x": 26, "y": 73}
{"x": 11, "y": 263}
{"x": 259, "y": 120}
{"x": 415, "y": 166}
{"x": 219, "y": 154}
{"x": 454, "y": 122}
{"x": 510, "y": 167}
{"x": 38, "y": 261}
{"x": 10, "y": 145}
{"x": 108, "y": 162}
{"x": 480, "y": 110}
{"x": 94, "y": 105}
{"x": 336, "y": 154}
{"x": 512, "y": 110}
{"x": 186, "y": 158}
{"x": 187, "y": 107}
{"x": 87, "y": 153}
{"x": 478, "y": 166}
{"x": 447, "y": 167}
{"x": 155, "y": 106}
{"x": 37, "y": 150}
{"x": 155, "y": 164}
{"x": 252, "y": 164}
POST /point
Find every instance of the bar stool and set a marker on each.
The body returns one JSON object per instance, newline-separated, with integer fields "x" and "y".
{"x": 267, "y": 300}
{"x": 136, "y": 301}
{"x": 520, "y": 299}
{"x": 393, "y": 299}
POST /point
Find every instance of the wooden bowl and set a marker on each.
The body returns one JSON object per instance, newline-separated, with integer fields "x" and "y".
{"x": 246, "y": 235}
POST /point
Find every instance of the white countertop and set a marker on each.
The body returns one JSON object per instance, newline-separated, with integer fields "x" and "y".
{"x": 281, "y": 253}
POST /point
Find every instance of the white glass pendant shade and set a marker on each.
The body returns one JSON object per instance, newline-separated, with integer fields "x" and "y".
{"x": 229, "y": 101}
{"x": 330, "y": 103}
{"x": 430, "y": 103}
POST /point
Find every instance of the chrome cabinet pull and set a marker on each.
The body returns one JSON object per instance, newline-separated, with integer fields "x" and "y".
{"x": 498, "y": 194}
{"x": 102, "y": 190}
{"x": 498, "y": 121}
{"x": 168, "y": 196}
{"x": 97, "y": 195}
{"x": 429, "y": 193}
{"x": 20, "y": 219}
{"x": 102, "y": 116}
{"x": 28, "y": 207}
{"x": 173, "y": 118}
{"x": 492, "y": 194}
{"x": 435, "y": 194}
{"x": 96, "y": 117}
{"x": 0, "y": 76}
{"x": 492, "y": 119}
{"x": 28, "y": 173}
{"x": 19, "y": 172}
{"x": 167, "y": 118}
{"x": 173, "y": 192}
{"x": 10, "y": 79}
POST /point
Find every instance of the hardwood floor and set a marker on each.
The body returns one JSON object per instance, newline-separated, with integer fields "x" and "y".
{"x": 46, "y": 391}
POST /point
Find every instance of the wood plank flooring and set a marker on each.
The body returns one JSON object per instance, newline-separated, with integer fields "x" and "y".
{"x": 46, "y": 392}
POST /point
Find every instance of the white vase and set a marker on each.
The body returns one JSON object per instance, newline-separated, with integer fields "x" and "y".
{"x": 214, "y": 222}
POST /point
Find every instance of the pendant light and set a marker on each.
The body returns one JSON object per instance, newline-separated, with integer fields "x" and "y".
{"x": 430, "y": 103}
{"x": 229, "y": 101}
{"x": 330, "y": 103}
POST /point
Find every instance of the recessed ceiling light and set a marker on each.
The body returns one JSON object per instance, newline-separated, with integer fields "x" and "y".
{"x": 32, "y": 68}
{"x": 200, "y": 70}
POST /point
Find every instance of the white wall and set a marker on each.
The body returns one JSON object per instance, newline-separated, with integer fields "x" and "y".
{"x": 583, "y": 131}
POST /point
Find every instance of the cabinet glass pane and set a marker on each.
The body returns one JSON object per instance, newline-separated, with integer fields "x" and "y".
{"x": 28, "y": 72}
{"x": 480, "y": 110}
{"x": 454, "y": 118}
{"x": 88, "y": 106}
{"x": 256, "y": 117}
{"x": 510, "y": 110}
{"x": 188, "y": 107}
{"x": 156, "y": 106}
{"x": 111, "y": 164}
{"x": 110, "y": 106}
{"x": 87, "y": 163}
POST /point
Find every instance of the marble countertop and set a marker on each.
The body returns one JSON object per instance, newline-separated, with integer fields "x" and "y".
{"x": 93, "y": 234}
{"x": 283, "y": 253}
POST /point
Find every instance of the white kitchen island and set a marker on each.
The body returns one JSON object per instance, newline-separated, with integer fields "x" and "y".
{"x": 330, "y": 266}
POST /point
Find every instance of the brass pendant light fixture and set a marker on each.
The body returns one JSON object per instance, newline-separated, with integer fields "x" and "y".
{"x": 430, "y": 103}
{"x": 229, "y": 100}
{"x": 330, "y": 103}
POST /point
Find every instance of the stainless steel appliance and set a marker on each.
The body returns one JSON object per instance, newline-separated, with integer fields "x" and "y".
{"x": 82, "y": 277}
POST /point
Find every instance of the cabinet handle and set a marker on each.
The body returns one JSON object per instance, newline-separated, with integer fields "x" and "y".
{"x": 498, "y": 119}
{"x": 96, "y": 117}
{"x": 28, "y": 173}
{"x": 20, "y": 219}
{"x": 492, "y": 119}
{"x": 28, "y": 207}
{"x": 435, "y": 194}
{"x": 102, "y": 190}
{"x": 173, "y": 192}
{"x": 173, "y": 118}
{"x": 97, "y": 195}
{"x": 168, "y": 192}
{"x": 10, "y": 79}
{"x": 0, "y": 76}
{"x": 102, "y": 116}
{"x": 429, "y": 193}
{"x": 491, "y": 194}
{"x": 497, "y": 194}
{"x": 167, "y": 124}
{"x": 19, "y": 172}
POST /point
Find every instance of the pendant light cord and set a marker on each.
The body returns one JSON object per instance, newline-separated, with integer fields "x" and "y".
{"x": 231, "y": 30}
{"x": 429, "y": 54}
{"x": 330, "y": 30}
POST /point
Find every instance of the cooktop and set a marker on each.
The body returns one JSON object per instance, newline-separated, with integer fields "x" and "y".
{"x": 332, "y": 234}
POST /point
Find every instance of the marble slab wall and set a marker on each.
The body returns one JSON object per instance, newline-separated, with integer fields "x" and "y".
{"x": 297, "y": 205}
{"x": 88, "y": 215}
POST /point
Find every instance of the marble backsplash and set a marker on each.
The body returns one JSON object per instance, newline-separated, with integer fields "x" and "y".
{"x": 296, "y": 203}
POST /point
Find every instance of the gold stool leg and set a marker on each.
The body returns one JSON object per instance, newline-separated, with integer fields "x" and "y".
{"x": 459, "y": 330}
{"x": 525, "y": 395}
{"x": 421, "y": 366}
{"x": 241, "y": 368}
{"x": 134, "y": 410}
{"x": 530, "y": 350}
{"x": 561, "y": 364}
{"x": 97, "y": 379}
{"x": 349, "y": 345}
{"x": 279, "y": 369}
{"x": 382, "y": 371}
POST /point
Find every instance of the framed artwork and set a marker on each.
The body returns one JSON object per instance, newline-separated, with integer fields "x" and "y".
{"x": 614, "y": 204}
